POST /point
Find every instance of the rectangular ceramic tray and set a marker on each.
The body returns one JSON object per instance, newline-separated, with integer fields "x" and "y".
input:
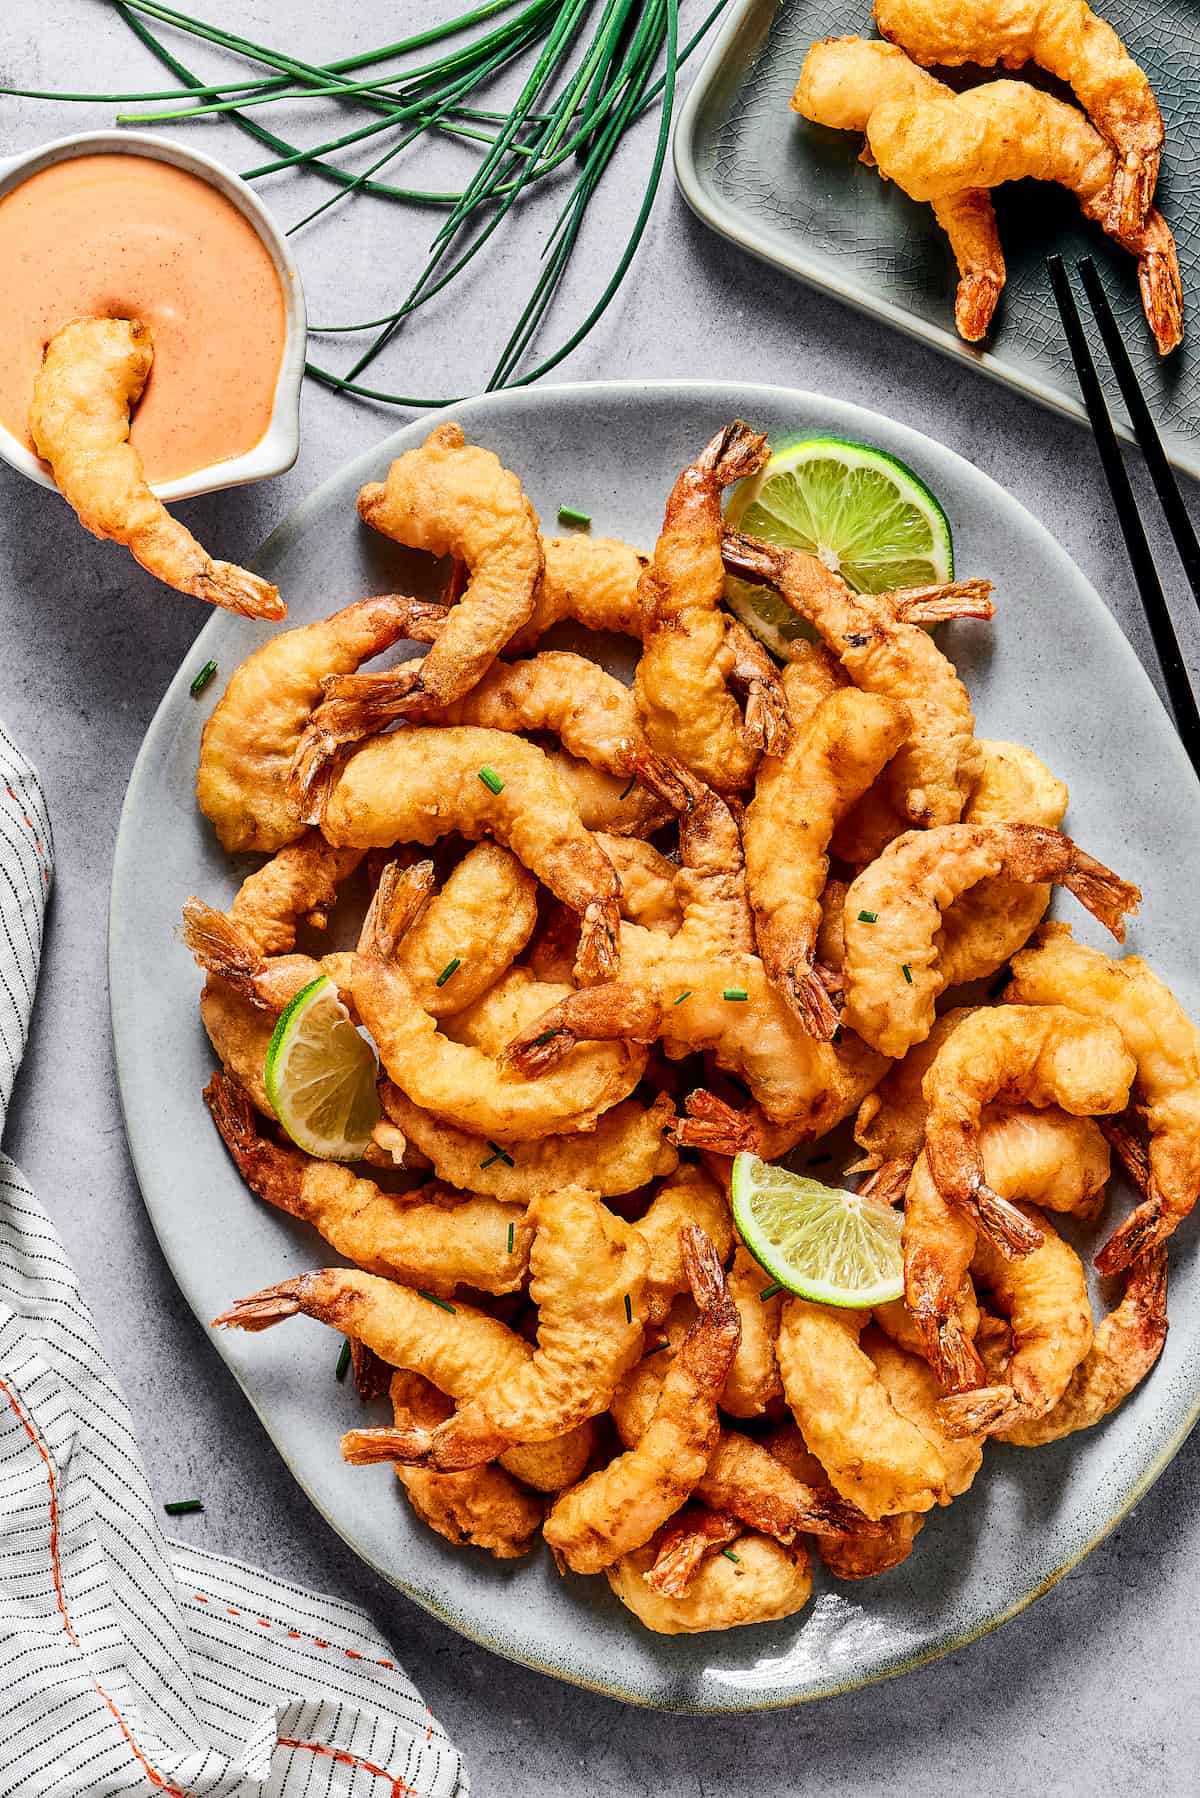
{"x": 796, "y": 195}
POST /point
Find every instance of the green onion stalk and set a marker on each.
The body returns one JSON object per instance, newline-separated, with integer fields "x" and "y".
{"x": 589, "y": 71}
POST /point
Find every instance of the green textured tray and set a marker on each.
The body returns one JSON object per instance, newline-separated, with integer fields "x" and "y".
{"x": 796, "y": 195}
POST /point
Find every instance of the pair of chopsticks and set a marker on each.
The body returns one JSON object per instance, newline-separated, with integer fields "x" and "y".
{"x": 1154, "y": 604}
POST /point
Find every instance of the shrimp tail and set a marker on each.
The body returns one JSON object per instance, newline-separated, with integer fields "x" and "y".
{"x": 941, "y": 603}
{"x": 1159, "y": 283}
{"x": 607, "y": 1013}
{"x": 262, "y": 1309}
{"x": 598, "y": 955}
{"x": 236, "y": 589}
{"x": 975, "y": 303}
{"x": 1141, "y": 1233}
{"x": 702, "y": 1266}
{"x": 732, "y": 454}
{"x": 1009, "y": 1229}
{"x": 888, "y": 1182}
{"x": 751, "y": 560}
{"x": 1105, "y": 894}
{"x": 757, "y": 680}
{"x": 685, "y": 1545}
{"x": 366, "y": 1448}
{"x": 713, "y": 1125}
{"x": 807, "y": 994}
{"x": 950, "y": 1352}
{"x": 395, "y": 906}
{"x": 221, "y": 947}
{"x": 979, "y": 1413}
{"x": 1131, "y": 193}
{"x": 372, "y": 1375}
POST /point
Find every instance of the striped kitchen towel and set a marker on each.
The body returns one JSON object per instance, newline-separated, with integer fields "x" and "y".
{"x": 128, "y": 1664}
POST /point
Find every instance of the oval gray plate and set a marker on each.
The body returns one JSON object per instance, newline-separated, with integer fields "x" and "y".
{"x": 1053, "y": 671}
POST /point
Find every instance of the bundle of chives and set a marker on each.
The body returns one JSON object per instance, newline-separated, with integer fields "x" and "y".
{"x": 581, "y": 94}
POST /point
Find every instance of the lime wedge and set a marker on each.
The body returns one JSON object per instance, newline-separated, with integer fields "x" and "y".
{"x": 864, "y": 513}
{"x": 320, "y": 1075}
{"x": 826, "y": 1245}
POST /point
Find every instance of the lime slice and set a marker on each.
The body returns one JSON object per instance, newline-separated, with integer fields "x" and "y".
{"x": 864, "y": 513}
{"x": 320, "y": 1075}
{"x": 827, "y": 1245}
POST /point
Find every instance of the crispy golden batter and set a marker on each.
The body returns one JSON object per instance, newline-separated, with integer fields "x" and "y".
{"x": 248, "y": 742}
{"x": 831, "y": 761}
{"x": 759, "y": 1581}
{"x": 648, "y": 883}
{"x": 606, "y": 803}
{"x": 753, "y": 1381}
{"x": 893, "y": 915}
{"x": 890, "y": 1125}
{"x": 689, "y": 1197}
{"x": 417, "y": 785}
{"x": 92, "y": 375}
{"x": 1166, "y": 1047}
{"x": 884, "y": 649}
{"x": 1068, "y": 40}
{"x": 298, "y": 884}
{"x": 593, "y": 580}
{"x": 842, "y": 82}
{"x": 914, "y": 1394}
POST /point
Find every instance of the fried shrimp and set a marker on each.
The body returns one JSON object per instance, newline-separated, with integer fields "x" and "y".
{"x": 1006, "y": 131}
{"x": 298, "y": 884}
{"x": 690, "y": 654}
{"x": 1057, "y": 1161}
{"x": 689, "y": 1198}
{"x": 881, "y": 645}
{"x": 607, "y": 804}
{"x": 1056, "y": 970}
{"x": 1044, "y": 1296}
{"x": 1127, "y": 1343}
{"x": 798, "y": 798}
{"x": 587, "y": 1270}
{"x": 691, "y": 1536}
{"x": 990, "y": 922}
{"x": 627, "y": 1148}
{"x": 842, "y": 82}
{"x": 476, "y": 1242}
{"x": 890, "y": 1125}
{"x": 753, "y": 1381}
{"x": 92, "y": 375}
{"x": 1019, "y": 1054}
{"x": 249, "y": 741}
{"x": 619, "y": 1507}
{"x": 593, "y": 580}
{"x": 874, "y": 1455}
{"x": 758, "y": 1581}
{"x": 455, "y": 1080}
{"x": 1066, "y": 39}
{"x": 859, "y": 1553}
{"x": 648, "y": 895}
{"x": 894, "y": 913}
{"x": 482, "y": 1507}
{"x": 417, "y": 785}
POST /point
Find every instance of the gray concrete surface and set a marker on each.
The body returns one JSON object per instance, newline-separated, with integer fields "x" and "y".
{"x": 1093, "y": 1691}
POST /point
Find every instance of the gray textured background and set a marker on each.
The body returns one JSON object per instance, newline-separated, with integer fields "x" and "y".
{"x": 1092, "y": 1690}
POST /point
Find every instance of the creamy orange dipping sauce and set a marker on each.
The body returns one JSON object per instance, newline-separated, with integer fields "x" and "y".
{"x": 121, "y": 236}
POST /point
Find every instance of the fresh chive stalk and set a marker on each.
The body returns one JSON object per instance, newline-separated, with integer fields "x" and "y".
{"x": 343, "y": 1360}
{"x": 491, "y": 779}
{"x": 451, "y": 968}
{"x": 570, "y": 515}
{"x": 183, "y": 1507}
{"x": 442, "y": 1304}
{"x": 202, "y": 679}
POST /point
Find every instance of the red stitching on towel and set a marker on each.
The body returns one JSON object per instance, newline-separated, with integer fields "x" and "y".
{"x": 297, "y": 1635}
{"x": 399, "y": 1788}
{"x": 37, "y": 841}
{"x": 152, "y": 1774}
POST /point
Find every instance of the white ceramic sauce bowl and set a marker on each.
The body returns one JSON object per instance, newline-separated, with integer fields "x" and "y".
{"x": 277, "y": 448}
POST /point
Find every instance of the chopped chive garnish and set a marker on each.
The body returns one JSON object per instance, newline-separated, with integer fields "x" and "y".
{"x": 730, "y": 1556}
{"x": 628, "y": 1310}
{"x": 202, "y": 679}
{"x": 735, "y": 992}
{"x": 511, "y": 1232}
{"x": 547, "y": 1036}
{"x": 572, "y": 515}
{"x": 490, "y": 1161}
{"x": 656, "y": 1348}
{"x": 768, "y": 1292}
{"x": 182, "y": 1507}
{"x": 868, "y": 917}
{"x": 502, "y": 1154}
{"x": 443, "y": 1304}
{"x": 343, "y": 1360}
{"x": 907, "y": 972}
{"x": 627, "y": 789}
{"x": 491, "y": 779}
{"x": 685, "y": 994}
{"x": 451, "y": 967}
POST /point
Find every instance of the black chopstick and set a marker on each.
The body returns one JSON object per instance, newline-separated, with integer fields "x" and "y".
{"x": 1154, "y": 604}
{"x": 1144, "y": 429}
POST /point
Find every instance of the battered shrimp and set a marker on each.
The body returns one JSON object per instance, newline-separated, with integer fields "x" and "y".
{"x": 627, "y": 1148}
{"x": 988, "y": 924}
{"x": 619, "y": 1507}
{"x": 860, "y": 1553}
{"x": 482, "y": 1507}
{"x": 880, "y": 642}
{"x": 1007, "y": 130}
{"x": 606, "y": 803}
{"x": 460, "y": 1349}
{"x": 593, "y": 580}
{"x": 894, "y": 914}
{"x": 690, "y": 651}
{"x": 872, "y": 1454}
{"x": 688, "y": 1199}
{"x": 842, "y": 82}
{"x": 890, "y": 1126}
{"x": 298, "y": 884}
{"x": 686, "y": 1542}
{"x": 418, "y": 785}
{"x": 1057, "y": 1161}
{"x": 588, "y": 1270}
{"x": 1019, "y": 1054}
{"x": 1068, "y": 40}
{"x": 648, "y": 895}
{"x": 452, "y": 498}
{"x": 476, "y": 1242}
{"x": 1166, "y": 1047}
{"x": 1044, "y": 1296}
{"x": 913, "y": 1391}
{"x": 798, "y": 798}
{"x": 249, "y": 741}
{"x": 718, "y": 1128}
{"x": 455, "y": 1080}
{"x": 753, "y": 1381}
{"x": 92, "y": 375}
{"x": 757, "y": 1581}
{"x": 1126, "y": 1345}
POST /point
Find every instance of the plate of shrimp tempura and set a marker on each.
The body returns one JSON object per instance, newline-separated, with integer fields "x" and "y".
{"x": 616, "y": 896}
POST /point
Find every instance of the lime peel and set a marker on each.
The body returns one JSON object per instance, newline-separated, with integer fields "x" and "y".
{"x": 320, "y": 1074}
{"x": 820, "y": 1242}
